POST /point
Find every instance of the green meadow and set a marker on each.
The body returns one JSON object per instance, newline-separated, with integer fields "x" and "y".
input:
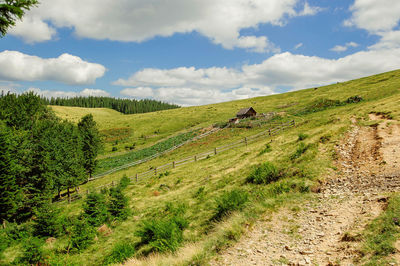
{"x": 211, "y": 202}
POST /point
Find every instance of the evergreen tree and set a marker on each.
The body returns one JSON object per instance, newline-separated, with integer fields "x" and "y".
{"x": 95, "y": 209}
{"x": 10, "y": 192}
{"x": 47, "y": 222}
{"x": 118, "y": 204}
{"x": 91, "y": 142}
{"x": 11, "y": 10}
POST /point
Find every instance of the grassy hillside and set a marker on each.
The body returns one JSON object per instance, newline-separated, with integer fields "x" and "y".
{"x": 215, "y": 196}
{"x": 146, "y": 129}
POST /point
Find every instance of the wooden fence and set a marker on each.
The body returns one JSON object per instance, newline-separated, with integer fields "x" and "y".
{"x": 153, "y": 156}
{"x": 273, "y": 130}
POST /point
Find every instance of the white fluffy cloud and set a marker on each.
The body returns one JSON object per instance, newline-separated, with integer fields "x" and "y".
{"x": 191, "y": 86}
{"x": 309, "y": 10}
{"x": 66, "y": 68}
{"x": 374, "y": 16}
{"x": 342, "y": 48}
{"x": 64, "y": 94}
{"x": 32, "y": 29}
{"x": 137, "y": 21}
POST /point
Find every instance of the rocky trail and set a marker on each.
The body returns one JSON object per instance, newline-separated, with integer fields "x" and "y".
{"x": 324, "y": 230}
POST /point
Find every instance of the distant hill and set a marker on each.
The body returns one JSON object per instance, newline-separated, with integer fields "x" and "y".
{"x": 125, "y": 106}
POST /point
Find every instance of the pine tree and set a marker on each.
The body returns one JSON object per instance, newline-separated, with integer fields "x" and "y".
{"x": 118, "y": 204}
{"x": 10, "y": 192}
{"x": 95, "y": 209}
{"x": 91, "y": 142}
{"x": 47, "y": 222}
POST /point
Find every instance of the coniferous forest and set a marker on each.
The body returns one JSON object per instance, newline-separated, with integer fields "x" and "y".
{"x": 125, "y": 106}
{"x": 40, "y": 155}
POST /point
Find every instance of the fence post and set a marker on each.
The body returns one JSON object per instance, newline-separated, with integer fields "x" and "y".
{"x": 269, "y": 132}
{"x": 294, "y": 123}
{"x": 136, "y": 177}
{"x": 195, "y": 158}
{"x": 173, "y": 164}
{"x": 215, "y": 150}
{"x": 155, "y": 170}
{"x": 245, "y": 140}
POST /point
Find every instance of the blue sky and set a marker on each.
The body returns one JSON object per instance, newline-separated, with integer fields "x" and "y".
{"x": 193, "y": 52}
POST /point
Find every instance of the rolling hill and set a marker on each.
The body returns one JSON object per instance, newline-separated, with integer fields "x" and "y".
{"x": 220, "y": 197}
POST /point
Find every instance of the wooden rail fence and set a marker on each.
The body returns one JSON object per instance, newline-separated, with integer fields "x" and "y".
{"x": 277, "y": 127}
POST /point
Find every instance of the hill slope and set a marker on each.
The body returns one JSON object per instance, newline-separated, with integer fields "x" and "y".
{"x": 218, "y": 198}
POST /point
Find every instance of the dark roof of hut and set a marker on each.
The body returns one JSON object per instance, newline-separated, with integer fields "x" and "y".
{"x": 243, "y": 111}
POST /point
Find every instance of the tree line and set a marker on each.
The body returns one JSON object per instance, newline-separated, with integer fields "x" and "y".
{"x": 40, "y": 155}
{"x": 126, "y": 106}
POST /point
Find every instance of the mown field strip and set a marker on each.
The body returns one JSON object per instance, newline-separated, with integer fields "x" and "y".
{"x": 153, "y": 156}
{"x": 194, "y": 158}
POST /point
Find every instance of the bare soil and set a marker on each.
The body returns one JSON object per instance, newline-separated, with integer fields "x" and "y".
{"x": 325, "y": 230}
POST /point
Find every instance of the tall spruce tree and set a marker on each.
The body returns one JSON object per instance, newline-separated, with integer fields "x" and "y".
{"x": 10, "y": 192}
{"x": 91, "y": 142}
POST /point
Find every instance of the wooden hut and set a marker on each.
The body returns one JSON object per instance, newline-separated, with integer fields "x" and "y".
{"x": 246, "y": 112}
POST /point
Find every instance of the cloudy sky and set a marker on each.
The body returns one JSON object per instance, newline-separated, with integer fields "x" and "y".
{"x": 194, "y": 52}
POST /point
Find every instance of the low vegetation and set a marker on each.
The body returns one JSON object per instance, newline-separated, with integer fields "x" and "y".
{"x": 265, "y": 174}
{"x": 196, "y": 210}
{"x": 381, "y": 235}
{"x": 116, "y": 161}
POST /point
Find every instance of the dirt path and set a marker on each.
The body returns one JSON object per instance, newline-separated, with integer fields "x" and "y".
{"x": 324, "y": 230}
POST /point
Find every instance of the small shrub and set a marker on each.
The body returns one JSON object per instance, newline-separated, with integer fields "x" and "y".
{"x": 82, "y": 235}
{"x": 118, "y": 204}
{"x": 302, "y": 136}
{"x": 47, "y": 222}
{"x": 95, "y": 209}
{"x": 33, "y": 253}
{"x": 264, "y": 174}
{"x": 120, "y": 253}
{"x": 266, "y": 149}
{"x": 18, "y": 232}
{"x": 230, "y": 201}
{"x": 163, "y": 234}
{"x": 114, "y": 149}
{"x": 124, "y": 182}
{"x": 302, "y": 148}
{"x": 354, "y": 99}
{"x": 325, "y": 138}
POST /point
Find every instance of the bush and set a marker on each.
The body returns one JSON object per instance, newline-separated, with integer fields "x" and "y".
{"x": 118, "y": 204}
{"x": 302, "y": 136}
{"x": 124, "y": 182}
{"x": 354, "y": 99}
{"x": 33, "y": 252}
{"x": 302, "y": 148}
{"x": 95, "y": 209}
{"x": 264, "y": 174}
{"x": 163, "y": 234}
{"x": 47, "y": 222}
{"x": 230, "y": 201}
{"x": 17, "y": 232}
{"x": 266, "y": 149}
{"x": 114, "y": 149}
{"x": 120, "y": 253}
{"x": 82, "y": 235}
